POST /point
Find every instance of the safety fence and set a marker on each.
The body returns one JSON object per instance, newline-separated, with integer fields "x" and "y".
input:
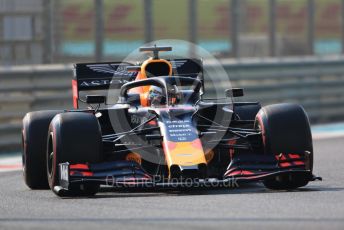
{"x": 317, "y": 84}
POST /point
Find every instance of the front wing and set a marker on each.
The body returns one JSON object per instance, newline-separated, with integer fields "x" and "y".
{"x": 129, "y": 174}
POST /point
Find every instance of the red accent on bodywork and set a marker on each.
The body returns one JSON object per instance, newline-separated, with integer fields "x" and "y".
{"x": 79, "y": 166}
{"x": 283, "y": 158}
{"x": 240, "y": 172}
{"x": 75, "y": 94}
{"x": 285, "y": 164}
{"x": 262, "y": 128}
{"x": 153, "y": 122}
{"x": 293, "y": 156}
{"x": 87, "y": 173}
{"x": 235, "y": 173}
{"x": 280, "y": 157}
{"x": 245, "y": 172}
{"x": 146, "y": 176}
{"x": 289, "y": 160}
{"x": 231, "y": 151}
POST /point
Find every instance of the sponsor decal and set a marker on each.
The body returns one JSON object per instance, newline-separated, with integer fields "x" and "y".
{"x": 102, "y": 82}
{"x": 115, "y": 69}
{"x": 180, "y": 130}
{"x": 64, "y": 172}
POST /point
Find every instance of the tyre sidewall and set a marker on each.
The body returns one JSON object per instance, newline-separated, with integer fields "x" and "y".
{"x": 34, "y": 139}
{"x": 285, "y": 129}
{"x": 75, "y": 138}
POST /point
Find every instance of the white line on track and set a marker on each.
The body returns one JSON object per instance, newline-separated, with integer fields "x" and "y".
{"x": 10, "y": 163}
{"x": 327, "y": 135}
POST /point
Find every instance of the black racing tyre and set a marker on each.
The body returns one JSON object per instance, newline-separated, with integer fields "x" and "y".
{"x": 74, "y": 137}
{"x": 246, "y": 110}
{"x": 34, "y": 145}
{"x": 285, "y": 129}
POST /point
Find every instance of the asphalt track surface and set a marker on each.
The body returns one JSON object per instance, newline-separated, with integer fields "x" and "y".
{"x": 320, "y": 205}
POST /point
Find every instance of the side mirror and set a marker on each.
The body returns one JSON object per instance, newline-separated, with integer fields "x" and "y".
{"x": 95, "y": 99}
{"x": 235, "y": 92}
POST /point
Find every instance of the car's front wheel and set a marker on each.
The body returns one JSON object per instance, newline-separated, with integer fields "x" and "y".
{"x": 34, "y": 144}
{"x": 73, "y": 137}
{"x": 285, "y": 129}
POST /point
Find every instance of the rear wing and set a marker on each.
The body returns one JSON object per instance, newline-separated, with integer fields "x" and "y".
{"x": 102, "y": 76}
{"x": 99, "y": 76}
{"x": 187, "y": 68}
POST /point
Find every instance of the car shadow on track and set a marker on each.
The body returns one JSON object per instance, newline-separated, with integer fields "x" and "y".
{"x": 257, "y": 188}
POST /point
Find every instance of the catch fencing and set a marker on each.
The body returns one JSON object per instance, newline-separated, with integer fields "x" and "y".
{"x": 315, "y": 83}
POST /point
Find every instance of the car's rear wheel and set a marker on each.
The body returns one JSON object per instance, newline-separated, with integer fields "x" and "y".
{"x": 34, "y": 145}
{"x": 285, "y": 129}
{"x": 74, "y": 137}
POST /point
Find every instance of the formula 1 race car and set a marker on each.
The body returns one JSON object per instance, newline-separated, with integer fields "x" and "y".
{"x": 162, "y": 133}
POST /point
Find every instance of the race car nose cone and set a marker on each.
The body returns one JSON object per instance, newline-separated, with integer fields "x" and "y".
{"x": 189, "y": 171}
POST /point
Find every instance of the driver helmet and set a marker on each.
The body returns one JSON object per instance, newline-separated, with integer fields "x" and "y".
{"x": 156, "y": 96}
